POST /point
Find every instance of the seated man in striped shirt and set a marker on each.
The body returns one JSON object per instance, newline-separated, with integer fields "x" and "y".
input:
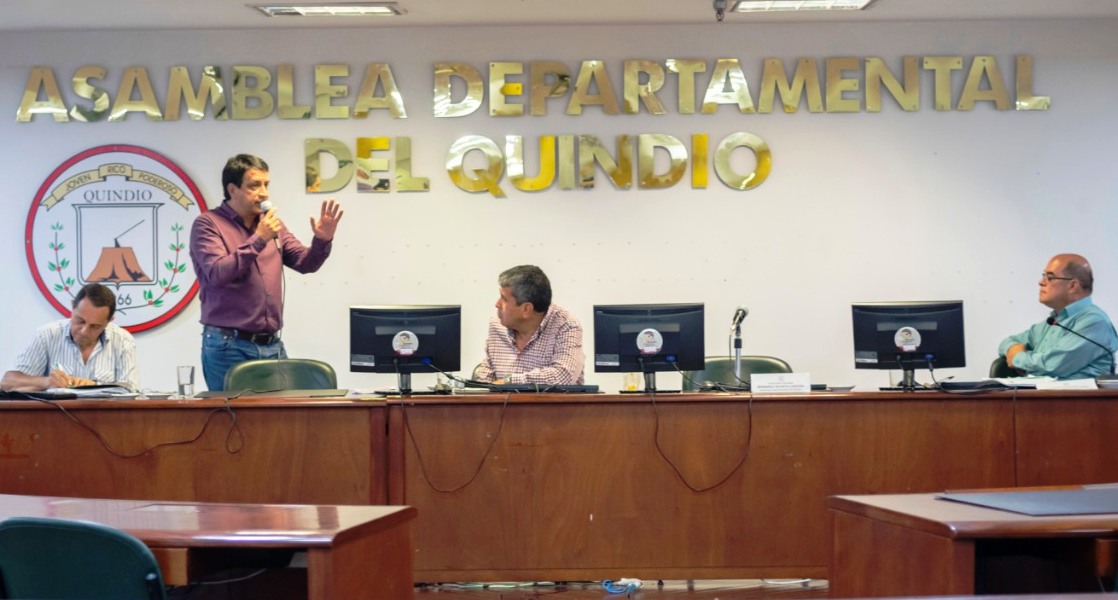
{"x": 531, "y": 340}
{"x": 86, "y": 349}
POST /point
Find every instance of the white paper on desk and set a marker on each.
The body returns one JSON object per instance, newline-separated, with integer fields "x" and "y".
{"x": 780, "y": 383}
{"x": 1068, "y": 384}
{"x": 1023, "y": 382}
{"x": 94, "y": 391}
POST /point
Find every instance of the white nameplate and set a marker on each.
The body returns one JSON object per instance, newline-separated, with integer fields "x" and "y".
{"x": 780, "y": 383}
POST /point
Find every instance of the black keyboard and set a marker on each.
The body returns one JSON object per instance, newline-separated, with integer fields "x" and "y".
{"x": 542, "y": 388}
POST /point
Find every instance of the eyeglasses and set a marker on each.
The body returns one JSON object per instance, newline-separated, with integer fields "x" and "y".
{"x": 1049, "y": 277}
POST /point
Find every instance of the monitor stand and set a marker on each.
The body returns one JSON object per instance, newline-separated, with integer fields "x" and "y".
{"x": 908, "y": 384}
{"x": 403, "y": 388}
{"x": 650, "y": 387}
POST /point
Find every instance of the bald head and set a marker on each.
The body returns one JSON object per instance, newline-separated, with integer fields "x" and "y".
{"x": 1076, "y": 267}
{"x": 1067, "y": 278}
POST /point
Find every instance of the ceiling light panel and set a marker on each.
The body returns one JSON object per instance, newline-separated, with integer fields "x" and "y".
{"x": 745, "y": 6}
{"x": 347, "y": 9}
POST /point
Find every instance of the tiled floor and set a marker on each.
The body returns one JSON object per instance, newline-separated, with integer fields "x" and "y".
{"x": 748, "y": 589}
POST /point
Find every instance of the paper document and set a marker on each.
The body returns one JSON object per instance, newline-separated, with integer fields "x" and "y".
{"x": 1024, "y": 382}
{"x": 1068, "y": 384}
{"x": 94, "y": 391}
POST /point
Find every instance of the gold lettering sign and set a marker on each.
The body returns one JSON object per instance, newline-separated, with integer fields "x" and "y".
{"x": 725, "y": 169}
{"x": 84, "y": 89}
{"x": 514, "y": 161}
{"x": 257, "y": 92}
{"x": 180, "y": 89}
{"x": 445, "y": 75}
{"x": 878, "y": 74}
{"x": 476, "y": 179}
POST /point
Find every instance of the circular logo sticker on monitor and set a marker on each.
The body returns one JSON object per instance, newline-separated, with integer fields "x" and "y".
{"x": 119, "y": 216}
{"x": 649, "y": 341}
{"x": 405, "y": 343}
{"x": 907, "y": 339}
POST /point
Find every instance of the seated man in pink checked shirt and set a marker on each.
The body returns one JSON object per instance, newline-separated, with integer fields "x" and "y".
{"x": 531, "y": 340}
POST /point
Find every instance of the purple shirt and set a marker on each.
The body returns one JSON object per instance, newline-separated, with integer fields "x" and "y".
{"x": 240, "y": 275}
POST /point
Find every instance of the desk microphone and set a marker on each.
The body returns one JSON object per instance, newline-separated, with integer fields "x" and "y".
{"x": 739, "y": 316}
{"x": 1052, "y": 321}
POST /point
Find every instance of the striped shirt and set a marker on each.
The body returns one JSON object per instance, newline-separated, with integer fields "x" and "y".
{"x": 113, "y": 359}
{"x": 553, "y": 356}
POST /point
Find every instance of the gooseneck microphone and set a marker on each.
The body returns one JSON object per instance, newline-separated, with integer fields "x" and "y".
{"x": 739, "y": 316}
{"x": 1053, "y": 321}
{"x": 735, "y": 333}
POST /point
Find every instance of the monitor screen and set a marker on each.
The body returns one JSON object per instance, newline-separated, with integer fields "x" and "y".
{"x": 405, "y": 339}
{"x": 909, "y": 335}
{"x": 645, "y": 338}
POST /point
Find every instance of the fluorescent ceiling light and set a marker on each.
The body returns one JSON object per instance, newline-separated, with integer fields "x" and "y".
{"x": 745, "y": 6}
{"x": 347, "y": 9}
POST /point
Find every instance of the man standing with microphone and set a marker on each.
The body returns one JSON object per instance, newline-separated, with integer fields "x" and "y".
{"x": 240, "y": 268}
{"x": 1077, "y": 340}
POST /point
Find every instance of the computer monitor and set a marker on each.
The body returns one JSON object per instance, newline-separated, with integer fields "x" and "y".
{"x": 909, "y": 336}
{"x": 646, "y": 338}
{"x": 404, "y": 340}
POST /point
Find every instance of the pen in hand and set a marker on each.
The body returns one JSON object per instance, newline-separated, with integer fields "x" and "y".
{"x": 65, "y": 375}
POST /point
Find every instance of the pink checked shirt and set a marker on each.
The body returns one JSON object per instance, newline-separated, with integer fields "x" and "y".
{"x": 553, "y": 356}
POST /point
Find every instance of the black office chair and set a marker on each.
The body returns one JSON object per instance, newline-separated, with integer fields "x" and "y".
{"x": 720, "y": 370}
{"x": 275, "y": 374}
{"x": 1000, "y": 369}
{"x": 62, "y": 559}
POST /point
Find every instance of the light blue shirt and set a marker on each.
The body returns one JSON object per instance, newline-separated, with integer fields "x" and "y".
{"x": 113, "y": 359}
{"x": 1055, "y": 352}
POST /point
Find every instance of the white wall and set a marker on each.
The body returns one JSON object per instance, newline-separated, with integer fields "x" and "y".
{"x": 887, "y": 206}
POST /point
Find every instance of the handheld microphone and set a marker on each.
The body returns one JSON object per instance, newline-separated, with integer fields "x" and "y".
{"x": 1052, "y": 321}
{"x": 267, "y": 206}
{"x": 739, "y": 316}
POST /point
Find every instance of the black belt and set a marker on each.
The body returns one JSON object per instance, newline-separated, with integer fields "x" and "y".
{"x": 257, "y": 338}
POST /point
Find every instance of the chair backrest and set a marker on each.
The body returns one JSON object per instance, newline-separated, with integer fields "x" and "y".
{"x": 62, "y": 559}
{"x": 275, "y": 374}
{"x": 720, "y": 369}
{"x": 1000, "y": 369}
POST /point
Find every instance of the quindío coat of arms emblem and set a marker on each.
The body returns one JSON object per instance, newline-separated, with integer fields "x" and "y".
{"x": 120, "y": 216}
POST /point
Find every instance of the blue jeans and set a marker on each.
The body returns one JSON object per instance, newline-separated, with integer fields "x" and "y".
{"x": 221, "y": 350}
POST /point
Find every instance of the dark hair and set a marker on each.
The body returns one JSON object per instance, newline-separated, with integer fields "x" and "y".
{"x": 98, "y": 295}
{"x": 527, "y": 283}
{"x": 312, "y": 176}
{"x": 235, "y": 169}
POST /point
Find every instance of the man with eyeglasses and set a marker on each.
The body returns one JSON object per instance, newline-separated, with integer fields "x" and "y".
{"x": 86, "y": 349}
{"x": 1077, "y": 340}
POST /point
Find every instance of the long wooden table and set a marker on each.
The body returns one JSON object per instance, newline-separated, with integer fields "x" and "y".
{"x": 272, "y": 450}
{"x": 918, "y": 545}
{"x": 352, "y": 551}
{"x": 701, "y": 486}
{"x": 548, "y": 487}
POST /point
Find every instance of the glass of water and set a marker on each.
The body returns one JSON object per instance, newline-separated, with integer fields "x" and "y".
{"x": 186, "y": 381}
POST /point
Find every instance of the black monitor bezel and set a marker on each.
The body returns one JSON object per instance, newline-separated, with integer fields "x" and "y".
{"x": 608, "y": 337}
{"x": 947, "y": 350}
{"x": 447, "y": 354}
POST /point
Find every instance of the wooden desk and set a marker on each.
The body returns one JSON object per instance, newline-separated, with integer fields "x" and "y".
{"x": 916, "y": 545}
{"x": 352, "y": 551}
{"x": 324, "y": 451}
{"x": 575, "y": 487}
